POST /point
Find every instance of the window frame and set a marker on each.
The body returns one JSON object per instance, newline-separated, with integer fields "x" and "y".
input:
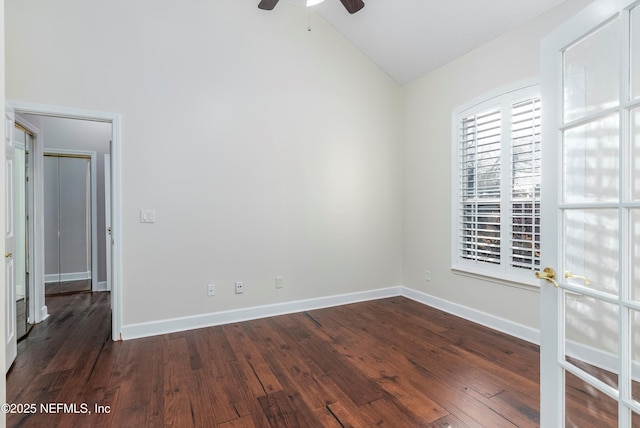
{"x": 503, "y": 99}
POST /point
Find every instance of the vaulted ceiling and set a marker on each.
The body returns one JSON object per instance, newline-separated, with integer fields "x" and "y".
{"x": 409, "y": 38}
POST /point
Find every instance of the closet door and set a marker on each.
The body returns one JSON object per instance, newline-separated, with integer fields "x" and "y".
{"x": 68, "y": 223}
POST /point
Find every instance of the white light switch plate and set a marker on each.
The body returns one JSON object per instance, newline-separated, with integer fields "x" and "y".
{"x": 147, "y": 216}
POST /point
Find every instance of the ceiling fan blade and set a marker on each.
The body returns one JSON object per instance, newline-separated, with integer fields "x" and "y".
{"x": 267, "y": 4}
{"x": 352, "y": 6}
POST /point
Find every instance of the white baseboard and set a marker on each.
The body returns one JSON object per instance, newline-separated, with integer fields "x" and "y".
{"x": 70, "y": 276}
{"x": 173, "y": 325}
{"x": 133, "y": 331}
{"x": 20, "y": 290}
{"x": 101, "y": 286}
{"x": 44, "y": 313}
{"x": 511, "y": 328}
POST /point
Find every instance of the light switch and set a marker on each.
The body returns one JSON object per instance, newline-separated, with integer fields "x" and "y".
{"x": 147, "y": 216}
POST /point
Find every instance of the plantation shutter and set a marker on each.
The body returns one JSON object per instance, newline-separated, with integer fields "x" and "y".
{"x": 498, "y": 187}
{"x": 480, "y": 237}
{"x": 525, "y": 185}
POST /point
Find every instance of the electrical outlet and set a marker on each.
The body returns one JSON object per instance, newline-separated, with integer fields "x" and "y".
{"x": 211, "y": 290}
{"x": 427, "y": 275}
{"x": 279, "y": 282}
{"x": 239, "y": 287}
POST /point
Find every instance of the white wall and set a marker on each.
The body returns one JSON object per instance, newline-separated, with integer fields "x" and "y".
{"x": 266, "y": 150}
{"x": 509, "y": 59}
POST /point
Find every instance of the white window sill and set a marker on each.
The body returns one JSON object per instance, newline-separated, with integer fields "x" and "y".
{"x": 523, "y": 284}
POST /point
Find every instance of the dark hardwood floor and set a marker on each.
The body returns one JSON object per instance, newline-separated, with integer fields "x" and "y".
{"x": 65, "y": 287}
{"x": 391, "y": 362}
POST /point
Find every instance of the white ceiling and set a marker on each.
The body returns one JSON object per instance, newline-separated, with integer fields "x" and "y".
{"x": 409, "y": 38}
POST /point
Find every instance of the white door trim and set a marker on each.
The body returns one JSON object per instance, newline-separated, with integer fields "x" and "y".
{"x": 37, "y": 308}
{"x": 115, "y": 120}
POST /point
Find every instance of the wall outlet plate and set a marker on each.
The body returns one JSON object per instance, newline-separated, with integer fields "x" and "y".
{"x": 147, "y": 216}
{"x": 211, "y": 290}
{"x": 239, "y": 287}
{"x": 279, "y": 282}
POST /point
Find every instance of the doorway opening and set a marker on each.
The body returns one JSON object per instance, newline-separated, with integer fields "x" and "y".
{"x": 99, "y": 192}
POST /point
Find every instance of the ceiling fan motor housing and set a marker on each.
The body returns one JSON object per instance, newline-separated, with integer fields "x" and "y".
{"x": 352, "y": 6}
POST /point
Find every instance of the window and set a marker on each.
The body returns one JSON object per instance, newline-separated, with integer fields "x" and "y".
{"x": 496, "y": 186}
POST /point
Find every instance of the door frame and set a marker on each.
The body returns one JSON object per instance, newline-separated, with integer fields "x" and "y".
{"x": 37, "y": 309}
{"x": 116, "y": 266}
{"x": 92, "y": 155}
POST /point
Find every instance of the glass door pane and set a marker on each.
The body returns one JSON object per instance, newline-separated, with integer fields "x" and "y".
{"x": 588, "y": 407}
{"x": 592, "y": 325}
{"x": 591, "y": 161}
{"x": 592, "y": 248}
{"x": 591, "y": 83}
{"x": 635, "y": 155}
{"x": 635, "y": 53}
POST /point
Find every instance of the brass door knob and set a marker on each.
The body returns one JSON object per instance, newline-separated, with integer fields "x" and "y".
{"x": 568, "y": 274}
{"x": 548, "y": 274}
{"x": 8, "y": 255}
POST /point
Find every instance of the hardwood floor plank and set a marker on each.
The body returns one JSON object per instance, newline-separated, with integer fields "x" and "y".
{"x": 216, "y": 379}
{"x": 248, "y": 406}
{"x": 253, "y": 361}
{"x": 292, "y": 371}
{"x": 478, "y": 372}
{"x": 243, "y": 422}
{"x": 520, "y": 409}
{"x": 448, "y": 421}
{"x": 413, "y": 399}
{"x": 178, "y": 408}
{"x": 371, "y": 357}
{"x": 384, "y": 361}
{"x": 287, "y": 410}
{"x": 457, "y": 400}
{"x": 390, "y": 413}
{"x": 342, "y": 416}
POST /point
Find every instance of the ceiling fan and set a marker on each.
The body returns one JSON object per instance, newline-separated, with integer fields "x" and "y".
{"x": 352, "y": 6}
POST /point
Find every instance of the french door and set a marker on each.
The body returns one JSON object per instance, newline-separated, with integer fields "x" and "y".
{"x": 590, "y": 288}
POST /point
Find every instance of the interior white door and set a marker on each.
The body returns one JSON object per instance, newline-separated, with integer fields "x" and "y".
{"x": 590, "y": 293}
{"x": 11, "y": 346}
